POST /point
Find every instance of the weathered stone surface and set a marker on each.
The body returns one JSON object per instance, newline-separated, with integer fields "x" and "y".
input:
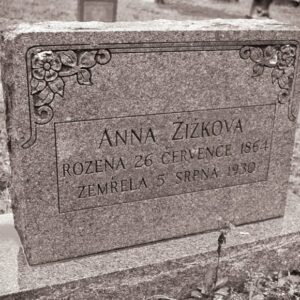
{"x": 124, "y": 134}
{"x": 170, "y": 267}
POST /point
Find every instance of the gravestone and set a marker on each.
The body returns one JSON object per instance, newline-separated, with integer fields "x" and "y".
{"x": 97, "y": 10}
{"x": 294, "y": 3}
{"x": 129, "y": 133}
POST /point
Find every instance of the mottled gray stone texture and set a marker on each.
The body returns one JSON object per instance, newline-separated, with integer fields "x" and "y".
{"x": 169, "y": 267}
{"x": 129, "y": 133}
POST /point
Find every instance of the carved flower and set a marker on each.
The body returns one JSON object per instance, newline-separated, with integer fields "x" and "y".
{"x": 46, "y": 81}
{"x": 288, "y": 50}
{"x": 284, "y": 72}
{"x": 46, "y": 66}
{"x": 281, "y": 58}
{"x": 286, "y": 56}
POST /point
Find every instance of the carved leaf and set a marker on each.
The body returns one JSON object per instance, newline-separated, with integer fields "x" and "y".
{"x": 276, "y": 74}
{"x": 37, "y": 85}
{"x": 289, "y": 71}
{"x": 292, "y": 112}
{"x": 87, "y": 59}
{"x": 283, "y": 81}
{"x": 57, "y": 86}
{"x": 258, "y": 70}
{"x": 84, "y": 77}
{"x": 68, "y": 58}
{"x": 256, "y": 54}
{"x": 270, "y": 55}
{"x": 270, "y": 52}
{"x": 283, "y": 96}
{"x": 290, "y": 61}
{"x": 44, "y": 97}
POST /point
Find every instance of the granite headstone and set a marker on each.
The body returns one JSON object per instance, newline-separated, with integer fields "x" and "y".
{"x": 97, "y": 10}
{"x": 128, "y": 133}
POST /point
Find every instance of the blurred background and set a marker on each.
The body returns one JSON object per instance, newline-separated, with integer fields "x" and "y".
{"x": 13, "y": 12}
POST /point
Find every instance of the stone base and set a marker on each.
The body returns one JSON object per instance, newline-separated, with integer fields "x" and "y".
{"x": 169, "y": 267}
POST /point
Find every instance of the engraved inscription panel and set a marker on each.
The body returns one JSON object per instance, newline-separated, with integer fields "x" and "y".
{"x": 132, "y": 158}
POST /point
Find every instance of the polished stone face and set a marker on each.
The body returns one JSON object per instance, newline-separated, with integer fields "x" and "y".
{"x": 123, "y": 134}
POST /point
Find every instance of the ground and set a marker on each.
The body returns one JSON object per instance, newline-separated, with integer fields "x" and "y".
{"x": 16, "y": 11}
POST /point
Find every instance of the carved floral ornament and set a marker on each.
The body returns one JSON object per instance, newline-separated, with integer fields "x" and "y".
{"x": 282, "y": 59}
{"x": 50, "y": 67}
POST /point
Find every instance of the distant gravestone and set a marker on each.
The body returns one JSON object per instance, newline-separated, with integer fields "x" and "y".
{"x": 97, "y": 10}
{"x": 294, "y": 3}
{"x": 128, "y": 133}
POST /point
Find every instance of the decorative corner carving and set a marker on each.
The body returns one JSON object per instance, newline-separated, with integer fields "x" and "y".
{"x": 47, "y": 73}
{"x": 282, "y": 59}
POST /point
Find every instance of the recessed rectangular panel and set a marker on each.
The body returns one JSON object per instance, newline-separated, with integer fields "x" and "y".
{"x": 134, "y": 158}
